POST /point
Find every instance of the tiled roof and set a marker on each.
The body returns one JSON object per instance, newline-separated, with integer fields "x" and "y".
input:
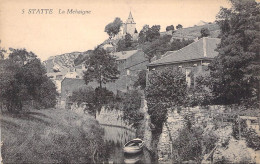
{"x": 203, "y": 48}
{"x": 124, "y": 54}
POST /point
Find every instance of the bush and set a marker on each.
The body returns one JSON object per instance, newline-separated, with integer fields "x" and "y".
{"x": 252, "y": 139}
{"x": 188, "y": 144}
{"x": 131, "y": 105}
{"x": 166, "y": 89}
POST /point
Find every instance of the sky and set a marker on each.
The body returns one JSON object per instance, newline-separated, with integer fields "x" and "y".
{"x": 53, "y": 34}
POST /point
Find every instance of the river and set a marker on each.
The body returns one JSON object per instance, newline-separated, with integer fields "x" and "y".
{"x": 115, "y": 137}
{"x": 116, "y": 133}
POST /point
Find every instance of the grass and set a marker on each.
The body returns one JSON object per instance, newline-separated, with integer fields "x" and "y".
{"x": 50, "y": 136}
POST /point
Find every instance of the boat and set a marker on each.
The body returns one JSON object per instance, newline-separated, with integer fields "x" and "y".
{"x": 134, "y": 146}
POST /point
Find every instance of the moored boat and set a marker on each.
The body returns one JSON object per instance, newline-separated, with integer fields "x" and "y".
{"x": 134, "y": 146}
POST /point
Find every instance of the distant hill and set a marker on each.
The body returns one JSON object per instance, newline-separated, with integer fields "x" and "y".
{"x": 194, "y": 32}
{"x": 64, "y": 61}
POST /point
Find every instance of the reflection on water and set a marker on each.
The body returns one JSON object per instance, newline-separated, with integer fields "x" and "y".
{"x": 115, "y": 138}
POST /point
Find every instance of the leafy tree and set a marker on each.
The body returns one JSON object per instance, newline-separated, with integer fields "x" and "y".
{"x": 128, "y": 40}
{"x": 131, "y": 108}
{"x": 9, "y": 84}
{"x": 101, "y": 67}
{"x": 204, "y": 32}
{"x": 171, "y": 27}
{"x": 21, "y": 56}
{"x": 153, "y": 33}
{"x": 235, "y": 71}
{"x": 179, "y": 26}
{"x": 113, "y": 28}
{"x": 142, "y": 34}
{"x": 121, "y": 46}
{"x": 94, "y": 98}
{"x": 2, "y": 52}
{"x": 24, "y": 80}
{"x": 188, "y": 145}
{"x": 141, "y": 81}
{"x": 200, "y": 94}
{"x": 46, "y": 93}
{"x": 166, "y": 89}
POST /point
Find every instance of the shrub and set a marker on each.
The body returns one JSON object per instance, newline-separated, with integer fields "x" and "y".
{"x": 252, "y": 139}
{"x": 131, "y": 105}
{"x": 166, "y": 89}
{"x": 188, "y": 144}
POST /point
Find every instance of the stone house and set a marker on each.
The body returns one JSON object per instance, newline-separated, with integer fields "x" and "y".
{"x": 68, "y": 85}
{"x": 130, "y": 63}
{"x": 193, "y": 59}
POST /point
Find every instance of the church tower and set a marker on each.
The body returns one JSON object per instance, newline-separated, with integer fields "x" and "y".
{"x": 130, "y": 25}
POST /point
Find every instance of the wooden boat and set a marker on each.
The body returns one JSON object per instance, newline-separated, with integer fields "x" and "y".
{"x": 134, "y": 146}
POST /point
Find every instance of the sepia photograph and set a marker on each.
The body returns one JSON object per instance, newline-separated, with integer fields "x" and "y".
{"x": 130, "y": 81}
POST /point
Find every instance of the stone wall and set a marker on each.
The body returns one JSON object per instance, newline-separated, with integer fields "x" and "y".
{"x": 175, "y": 123}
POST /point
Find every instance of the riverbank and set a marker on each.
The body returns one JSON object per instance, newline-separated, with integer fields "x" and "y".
{"x": 50, "y": 136}
{"x": 144, "y": 131}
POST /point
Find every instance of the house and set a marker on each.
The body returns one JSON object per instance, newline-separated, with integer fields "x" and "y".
{"x": 68, "y": 85}
{"x": 130, "y": 63}
{"x": 193, "y": 58}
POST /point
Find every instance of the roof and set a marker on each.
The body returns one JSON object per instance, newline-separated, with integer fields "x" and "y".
{"x": 124, "y": 54}
{"x": 201, "y": 49}
{"x": 130, "y": 19}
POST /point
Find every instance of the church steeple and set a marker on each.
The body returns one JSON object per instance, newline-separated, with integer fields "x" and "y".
{"x": 130, "y": 19}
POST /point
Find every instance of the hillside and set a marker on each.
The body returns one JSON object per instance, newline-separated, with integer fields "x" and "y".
{"x": 49, "y": 136}
{"x": 63, "y": 61}
{"x": 194, "y": 32}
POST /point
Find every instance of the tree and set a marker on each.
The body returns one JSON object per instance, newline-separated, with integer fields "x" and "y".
{"x": 101, "y": 67}
{"x": 21, "y": 84}
{"x": 204, "y": 32}
{"x": 141, "y": 81}
{"x": 169, "y": 28}
{"x": 131, "y": 105}
{"x": 128, "y": 40}
{"x": 121, "y": 45}
{"x": 113, "y": 28}
{"x": 2, "y": 52}
{"x": 21, "y": 56}
{"x": 166, "y": 89}
{"x": 142, "y": 34}
{"x": 153, "y": 33}
{"x": 179, "y": 26}
{"x": 235, "y": 71}
{"x": 8, "y": 84}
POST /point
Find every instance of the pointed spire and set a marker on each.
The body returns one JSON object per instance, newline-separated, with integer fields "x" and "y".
{"x": 130, "y": 18}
